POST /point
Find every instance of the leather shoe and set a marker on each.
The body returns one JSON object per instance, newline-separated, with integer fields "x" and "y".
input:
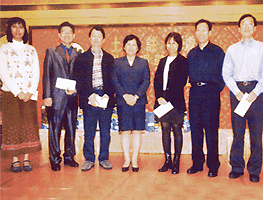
{"x": 71, "y": 163}
{"x": 254, "y": 178}
{"x": 55, "y": 167}
{"x": 125, "y": 169}
{"x": 234, "y": 175}
{"x": 194, "y": 170}
{"x": 135, "y": 169}
{"x": 212, "y": 173}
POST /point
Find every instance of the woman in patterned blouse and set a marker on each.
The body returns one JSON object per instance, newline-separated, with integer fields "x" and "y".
{"x": 19, "y": 71}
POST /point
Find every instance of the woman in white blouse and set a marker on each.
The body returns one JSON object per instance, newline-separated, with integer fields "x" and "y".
{"x": 170, "y": 79}
{"x": 19, "y": 72}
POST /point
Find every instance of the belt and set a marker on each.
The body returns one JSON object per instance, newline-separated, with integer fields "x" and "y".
{"x": 245, "y": 83}
{"x": 199, "y": 84}
{"x": 98, "y": 88}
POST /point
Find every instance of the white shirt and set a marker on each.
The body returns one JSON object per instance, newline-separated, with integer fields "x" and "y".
{"x": 244, "y": 63}
{"x": 166, "y": 71}
{"x": 19, "y": 68}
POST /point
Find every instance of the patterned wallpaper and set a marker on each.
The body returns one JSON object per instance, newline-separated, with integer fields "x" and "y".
{"x": 152, "y": 38}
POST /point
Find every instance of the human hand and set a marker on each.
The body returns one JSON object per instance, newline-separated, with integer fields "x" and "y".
{"x": 92, "y": 99}
{"x": 28, "y": 96}
{"x": 252, "y": 97}
{"x": 48, "y": 102}
{"x": 130, "y": 99}
{"x": 162, "y": 101}
{"x": 70, "y": 92}
{"x": 239, "y": 96}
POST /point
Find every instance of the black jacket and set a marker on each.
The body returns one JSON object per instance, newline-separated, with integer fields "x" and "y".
{"x": 177, "y": 79}
{"x": 83, "y": 69}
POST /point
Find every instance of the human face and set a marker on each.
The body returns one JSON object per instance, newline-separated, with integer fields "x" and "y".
{"x": 66, "y": 35}
{"x": 172, "y": 47}
{"x": 202, "y": 33}
{"x": 247, "y": 27}
{"x": 96, "y": 39}
{"x": 17, "y": 31}
{"x": 131, "y": 48}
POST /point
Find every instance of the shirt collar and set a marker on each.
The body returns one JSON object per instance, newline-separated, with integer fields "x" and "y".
{"x": 250, "y": 42}
{"x": 64, "y": 49}
{"x": 100, "y": 53}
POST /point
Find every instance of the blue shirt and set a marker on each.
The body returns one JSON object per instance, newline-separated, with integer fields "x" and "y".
{"x": 64, "y": 49}
{"x": 244, "y": 63}
{"x": 206, "y": 65}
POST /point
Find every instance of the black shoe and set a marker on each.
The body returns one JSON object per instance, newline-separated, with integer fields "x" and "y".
{"x": 194, "y": 170}
{"x": 55, "y": 167}
{"x": 125, "y": 169}
{"x": 135, "y": 169}
{"x": 254, "y": 178}
{"x": 212, "y": 173}
{"x": 71, "y": 163}
{"x": 16, "y": 167}
{"x": 175, "y": 168}
{"x": 234, "y": 175}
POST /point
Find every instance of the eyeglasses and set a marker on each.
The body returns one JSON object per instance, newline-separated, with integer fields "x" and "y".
{"x": 66, "y": 33}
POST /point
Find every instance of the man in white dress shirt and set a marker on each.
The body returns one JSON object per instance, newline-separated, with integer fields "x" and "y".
{"x": 242, "y": 73}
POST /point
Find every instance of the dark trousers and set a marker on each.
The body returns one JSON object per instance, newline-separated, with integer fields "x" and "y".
{"x": 204, "y": 109}
{"x": 91, "y": 115}
{"x": 66, "y": 118}
{"x": 254, "y": 117}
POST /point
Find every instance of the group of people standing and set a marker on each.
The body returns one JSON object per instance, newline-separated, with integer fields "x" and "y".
{"x": 124, "y": 82}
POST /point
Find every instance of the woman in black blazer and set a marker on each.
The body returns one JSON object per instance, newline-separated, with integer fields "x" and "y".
{"x": 170, "y": 79}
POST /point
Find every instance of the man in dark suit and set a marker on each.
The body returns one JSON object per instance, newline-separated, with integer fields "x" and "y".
{"x": 93, "y": 72}
{"x": 62, "y": 105}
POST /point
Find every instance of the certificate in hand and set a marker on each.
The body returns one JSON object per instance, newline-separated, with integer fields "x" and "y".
{"x": 64, "y": 84}
{"x": 243, "y": 106}
{"x": 102, "y": 101}
{"x": 163, "y": 109}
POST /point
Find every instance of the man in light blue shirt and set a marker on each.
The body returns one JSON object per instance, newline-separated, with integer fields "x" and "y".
{"x": 242, "y": 73}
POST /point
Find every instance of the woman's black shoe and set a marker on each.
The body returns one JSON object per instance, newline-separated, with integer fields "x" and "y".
{"x": 176, "y": 166}
{"x": 175, "y": 169}
{"x": 135, "y": 169}
{"x": 125, "y": 169}
{"x": 167, "y": 165}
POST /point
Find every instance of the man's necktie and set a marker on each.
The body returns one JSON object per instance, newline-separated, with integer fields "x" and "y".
{"x": 67, "y": 55}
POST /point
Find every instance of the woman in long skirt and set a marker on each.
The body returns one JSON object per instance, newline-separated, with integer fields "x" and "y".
{"x": 19, "y": 72}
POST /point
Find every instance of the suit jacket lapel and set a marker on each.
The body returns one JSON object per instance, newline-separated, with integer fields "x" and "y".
{"x": 65, "y": 64}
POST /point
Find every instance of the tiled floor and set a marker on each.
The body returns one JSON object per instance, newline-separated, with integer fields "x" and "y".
{"x": 74, "y": 184}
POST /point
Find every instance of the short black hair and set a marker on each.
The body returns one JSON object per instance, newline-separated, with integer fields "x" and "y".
{"x": 66, "y": 24}
{"x": 209, "y": 24}
{"x": 98, "y": 28}
{"x": 132, "y": 37}
{"x": 16, "y": 20}
{"x": 176, "y": 37}
{"x": 245, "y": 16}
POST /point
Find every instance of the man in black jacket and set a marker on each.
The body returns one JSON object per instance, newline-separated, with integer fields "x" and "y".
{"x": 93, "y": 72}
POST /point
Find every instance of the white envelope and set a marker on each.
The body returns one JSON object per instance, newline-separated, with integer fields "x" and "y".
{"x": 34, "y": 97}
{"x": 102, "y": 101}
{"x": 163, "y": 109}
{"x": 243, "y": 106}
{"x": 64, "y": 84}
